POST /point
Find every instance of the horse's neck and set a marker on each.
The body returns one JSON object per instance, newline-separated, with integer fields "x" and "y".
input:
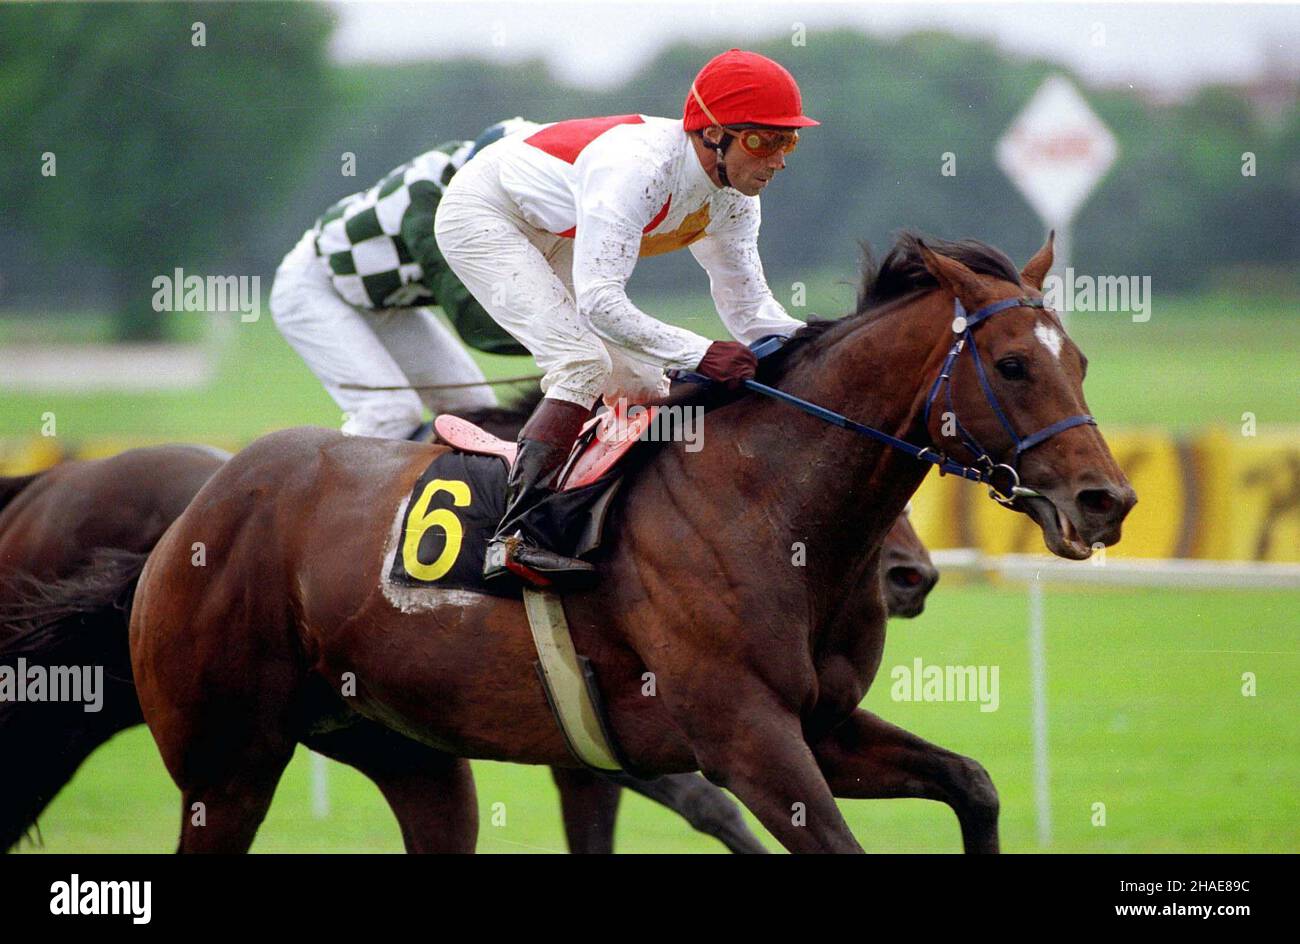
{"x": 878, "y": 375}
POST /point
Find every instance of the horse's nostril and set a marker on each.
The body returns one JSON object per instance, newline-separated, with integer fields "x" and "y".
{"x": 905, "y": 576}
{"x": 1097, "y": 500}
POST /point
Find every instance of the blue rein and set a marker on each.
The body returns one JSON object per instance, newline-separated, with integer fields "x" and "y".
{"x": 984, "y": 470}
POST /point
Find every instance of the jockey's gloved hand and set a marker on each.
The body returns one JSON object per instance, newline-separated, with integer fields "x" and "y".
{"x": 728, "y": 362}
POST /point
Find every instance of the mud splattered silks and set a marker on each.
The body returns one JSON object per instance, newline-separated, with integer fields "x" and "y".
{"x": 545, "y": 230}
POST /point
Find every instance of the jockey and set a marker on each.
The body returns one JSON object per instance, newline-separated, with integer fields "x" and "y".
{"x": 545, "y": 228}
{"x": 349, "y": 298}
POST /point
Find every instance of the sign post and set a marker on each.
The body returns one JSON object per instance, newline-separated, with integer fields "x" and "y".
{"x": 1055, "y": 152}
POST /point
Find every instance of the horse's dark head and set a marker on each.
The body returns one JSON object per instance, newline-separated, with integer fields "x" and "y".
{"x": 1033, "y": 375}
{"x": 906, "y": 571}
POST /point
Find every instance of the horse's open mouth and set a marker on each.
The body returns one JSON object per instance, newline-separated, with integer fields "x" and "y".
{"x": 1059, "y": 533}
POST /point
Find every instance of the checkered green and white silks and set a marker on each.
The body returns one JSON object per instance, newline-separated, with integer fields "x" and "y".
{"x": 378, "y": 242}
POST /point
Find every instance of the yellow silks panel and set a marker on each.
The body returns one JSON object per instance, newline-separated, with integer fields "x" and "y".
{"x": 688, "y": 231}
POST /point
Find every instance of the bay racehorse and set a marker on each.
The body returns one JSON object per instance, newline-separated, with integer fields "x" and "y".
{"x": 756, "y": 666}
{"x": 72, "y": 542}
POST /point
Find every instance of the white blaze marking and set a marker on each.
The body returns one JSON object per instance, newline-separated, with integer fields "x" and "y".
{"x": 1050, "y": 338}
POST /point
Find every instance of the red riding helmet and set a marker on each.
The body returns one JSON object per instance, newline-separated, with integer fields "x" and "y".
{"x": 739, "y": 87}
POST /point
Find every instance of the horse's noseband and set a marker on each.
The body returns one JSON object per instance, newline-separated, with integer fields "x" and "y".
{"x": 1003, "y": 478}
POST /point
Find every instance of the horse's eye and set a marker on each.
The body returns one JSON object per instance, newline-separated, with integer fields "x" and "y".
{"x": 1012, "y": 368}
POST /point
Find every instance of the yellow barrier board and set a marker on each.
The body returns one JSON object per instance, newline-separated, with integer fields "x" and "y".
{"x": 1252, "y": 484}
{"x": 1220, "y": 495}
{"x": 25, "y": 456}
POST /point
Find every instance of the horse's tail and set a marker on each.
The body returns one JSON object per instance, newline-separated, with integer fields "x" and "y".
{"x": 53, "y": 627}
{"x": 11, "y": 485}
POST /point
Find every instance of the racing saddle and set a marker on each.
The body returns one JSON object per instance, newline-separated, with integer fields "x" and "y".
{"x": 604, "y": 440}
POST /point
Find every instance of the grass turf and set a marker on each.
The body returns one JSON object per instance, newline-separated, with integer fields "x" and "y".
{"x": 1146, "y": 710}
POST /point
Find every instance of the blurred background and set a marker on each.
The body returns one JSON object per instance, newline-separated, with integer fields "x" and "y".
{"x": 129, "y": 149}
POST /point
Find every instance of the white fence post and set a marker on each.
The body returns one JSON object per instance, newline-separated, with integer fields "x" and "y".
{"x": 1038, "y": 686}
{"x": 320, "y": 786}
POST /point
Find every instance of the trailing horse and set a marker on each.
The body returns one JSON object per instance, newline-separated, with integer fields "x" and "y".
{"x": 73, "y": 540}
{"x": 285, "y": 635}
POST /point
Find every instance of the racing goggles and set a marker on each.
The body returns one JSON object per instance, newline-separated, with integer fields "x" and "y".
{"x": 757, "y": 142}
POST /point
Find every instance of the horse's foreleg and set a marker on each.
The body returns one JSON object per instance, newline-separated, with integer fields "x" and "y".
{"x": 701, "y": 804}
{"x": 589, "y": 804}
{"x": 866, "y": 757}
{"x": 431, "y": 793}
{"x": 757, "y": 751}
{"x": 222, "y": 816}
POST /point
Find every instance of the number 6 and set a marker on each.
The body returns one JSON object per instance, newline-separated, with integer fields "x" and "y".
{"x": 421, "y": 520}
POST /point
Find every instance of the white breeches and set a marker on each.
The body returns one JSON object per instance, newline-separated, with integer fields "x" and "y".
{"x": 523, "y": 277}
{"x": 397, "y": 347}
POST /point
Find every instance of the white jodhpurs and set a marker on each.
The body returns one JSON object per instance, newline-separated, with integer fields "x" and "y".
{"x": 396, "y": 347}
{"x": 523, "y": 277}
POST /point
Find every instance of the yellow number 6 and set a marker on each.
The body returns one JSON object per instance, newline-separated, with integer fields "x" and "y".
{"x": 421, "y": 519}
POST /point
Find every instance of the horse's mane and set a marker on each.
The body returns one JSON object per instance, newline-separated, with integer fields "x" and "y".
{"x": 883, "y": 284}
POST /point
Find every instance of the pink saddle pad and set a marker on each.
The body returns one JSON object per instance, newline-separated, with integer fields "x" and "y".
{"x": 615, "y": 434}
{"x": 467, "y": 437}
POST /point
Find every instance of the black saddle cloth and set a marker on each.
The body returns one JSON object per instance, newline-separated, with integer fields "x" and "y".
{"x": 454, "y": 510}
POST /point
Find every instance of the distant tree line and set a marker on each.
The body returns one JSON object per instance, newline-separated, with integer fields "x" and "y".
{"x": 216, "y": 157}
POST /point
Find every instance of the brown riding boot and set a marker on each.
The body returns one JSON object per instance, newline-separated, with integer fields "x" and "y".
{"x": 544, "y": 444}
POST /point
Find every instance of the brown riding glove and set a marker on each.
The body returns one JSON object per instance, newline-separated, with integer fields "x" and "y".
{"x": 729, "y": 363}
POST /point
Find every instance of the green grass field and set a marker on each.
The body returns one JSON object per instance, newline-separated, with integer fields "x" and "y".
{"x": 1146, "y": 714}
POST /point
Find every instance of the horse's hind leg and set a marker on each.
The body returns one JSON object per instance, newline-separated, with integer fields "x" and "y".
{"x": 225, "y": 732}
{"x": 866, "y": 757}
{"x": 431, "y": 793}
{"x": 589, "y": 804}
{"x": 702, "y": 805}
{"x": 217, "y": 695}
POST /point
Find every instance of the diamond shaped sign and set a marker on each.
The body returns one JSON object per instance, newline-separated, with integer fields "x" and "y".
{"x": 1056, "y": 151}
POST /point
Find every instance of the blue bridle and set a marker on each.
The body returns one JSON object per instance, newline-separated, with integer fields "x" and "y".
{"x": 964, "y": 325}
{"x": 1002, "y": 478}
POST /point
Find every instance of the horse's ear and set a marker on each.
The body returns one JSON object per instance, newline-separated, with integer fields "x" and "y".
{"x": 1036, "y": 269}
{"x": 952, "y": 275}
